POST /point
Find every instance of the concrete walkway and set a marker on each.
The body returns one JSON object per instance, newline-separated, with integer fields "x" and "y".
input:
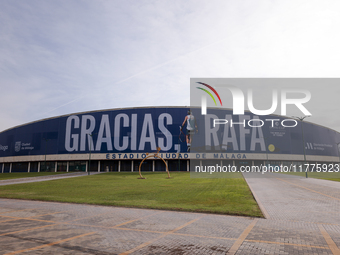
{"x": 44, "y": 178}
{"x": 303, "y": 218}
{"x": 288, "y": 197}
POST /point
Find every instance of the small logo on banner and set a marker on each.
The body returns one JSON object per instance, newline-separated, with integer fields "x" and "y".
{"x": 3, "y": 147}
{"x": 17, "y": 146}
{"x": 309, "y": 146}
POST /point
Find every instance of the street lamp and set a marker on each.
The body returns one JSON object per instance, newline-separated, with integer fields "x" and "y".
{"x": 303, "y": 139}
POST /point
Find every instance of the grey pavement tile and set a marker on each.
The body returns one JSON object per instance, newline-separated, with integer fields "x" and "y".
{"x": 17, "y": 225}
{"x": 334, "y": 233}
{"x": 218, "y": 226}
{"x": 292, "y": 227}
{"x": 287, "y": 232}
{"x": 56, "y": 249}
{"x": 283, "y": 200}
{"x": 51, "y": 233}
{"x": 179, "y": 245}
{"x": 5, "y": 219}
{"x": 10, "y": 244}
{"x": 267, "y": 248}
{"x": 28, "y": 213}
{"x": 79, "y": 212}
{"x": 117, "y": 216}
{"x": 4, "y": 211}
{"x": 111, "y": 241}
{"x": 164, "y": 222}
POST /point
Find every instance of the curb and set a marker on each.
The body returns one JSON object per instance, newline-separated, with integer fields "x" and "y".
{"x": 263, "y": 210}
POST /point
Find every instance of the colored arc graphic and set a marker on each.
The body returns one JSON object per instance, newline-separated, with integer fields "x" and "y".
{"x": 210, "y": 93}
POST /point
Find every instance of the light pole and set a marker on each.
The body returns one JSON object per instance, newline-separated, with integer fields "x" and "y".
{"x": 266, "y": 152}
{"x": 90, "y": 143}
{"x": 303, "y": 138}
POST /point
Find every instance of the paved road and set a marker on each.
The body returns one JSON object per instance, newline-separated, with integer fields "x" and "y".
{"x": 303, "y": 218}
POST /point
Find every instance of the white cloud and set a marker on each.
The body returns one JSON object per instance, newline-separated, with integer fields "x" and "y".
{"x": 59, "y": 57}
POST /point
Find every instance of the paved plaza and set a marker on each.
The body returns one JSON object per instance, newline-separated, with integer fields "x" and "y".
{"x": 302, "y": 217}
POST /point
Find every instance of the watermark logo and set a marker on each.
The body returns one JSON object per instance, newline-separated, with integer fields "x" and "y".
{"x": 239, "y": 100}
{"x": 204, "y": 99}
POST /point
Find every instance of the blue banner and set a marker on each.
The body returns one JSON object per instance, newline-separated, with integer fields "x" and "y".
{"x": 142, "y": 130}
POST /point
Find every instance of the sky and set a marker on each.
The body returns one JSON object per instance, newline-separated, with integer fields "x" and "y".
{"x": 66, "y": 56}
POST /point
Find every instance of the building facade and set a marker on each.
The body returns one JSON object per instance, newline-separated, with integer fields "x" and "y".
{"x": 119, "y": 139}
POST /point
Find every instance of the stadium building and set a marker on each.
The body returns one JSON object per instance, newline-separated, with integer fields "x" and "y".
{"x": 119, "y": 139}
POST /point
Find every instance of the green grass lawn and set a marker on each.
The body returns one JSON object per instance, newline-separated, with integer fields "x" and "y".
{"x": 7, "y": 176}
{"x": 182, "y": 193}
